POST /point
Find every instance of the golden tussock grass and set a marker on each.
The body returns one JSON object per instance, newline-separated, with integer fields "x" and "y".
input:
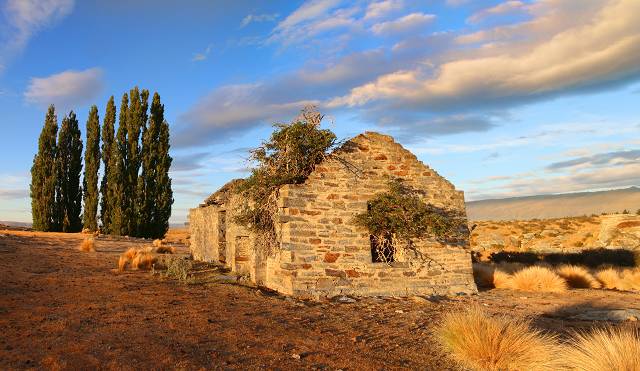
{"x": 87, "y": 245}
{"x": 165, "y": 250}
{"x": 578, "y": 277}
{"x": 480, "y": 342}
{"x": 491, "y": 276}
{"x": 538, "y": 279}
{"x": 631, "y": 278}
{"x": 610, "y": 279}
{"x": 130, "y": 253}
{"x": 157, "y": 243}
{"x": 122, "y": 262}
{"x": 604, "y": 350}
{"x": 141, "y": 258}
{"x": 502, "y": 280}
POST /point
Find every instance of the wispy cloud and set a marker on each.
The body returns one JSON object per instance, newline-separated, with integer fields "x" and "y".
{"x": 67, "y": 89}
{"x": 24, "y": 18}
{"x": 506, "y": 7}
{"x": 380, "y": 9}
{"x": 12, "y": 194}
{"x": 600, "y": 159}
{"x": 313, "y": 18}
{"x": 199, "y": 57}
{"x": 408, "y": 23}
{"x": 257, "y": 18}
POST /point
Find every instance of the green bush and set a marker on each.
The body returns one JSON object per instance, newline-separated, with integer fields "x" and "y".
{"x": 401, "y": 215}
{"x": 288, "y": 157}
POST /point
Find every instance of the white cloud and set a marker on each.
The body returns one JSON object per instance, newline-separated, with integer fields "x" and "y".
{"x": 310, "y": 10}
{"x": 66, "y": 89}
{"x": 408, "y": 23}
{"x": 199, "y": 57}
{"x": 256, "y": 18}
{"x": 502, "y": 8}
{"x": 231, "y": 110}
{"x": 24, "y": 18}
{"x": 383, "y": 8}
{"x": 313, "y": 18}
{"x": 602, "y": 51}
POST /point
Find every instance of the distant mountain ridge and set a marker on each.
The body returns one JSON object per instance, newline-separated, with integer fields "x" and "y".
{"x": 555, "y": 206}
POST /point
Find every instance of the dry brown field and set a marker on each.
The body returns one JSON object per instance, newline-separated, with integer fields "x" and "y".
{"x": 64, "y": 309}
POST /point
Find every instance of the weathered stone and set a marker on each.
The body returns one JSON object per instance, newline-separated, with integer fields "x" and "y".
{"x": 320, "y": 251}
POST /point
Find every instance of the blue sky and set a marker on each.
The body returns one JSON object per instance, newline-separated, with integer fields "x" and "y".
{"x": 504, "y": 98}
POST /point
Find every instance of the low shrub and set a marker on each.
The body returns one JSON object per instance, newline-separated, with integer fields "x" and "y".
{"x": 179, "y": 269}
{"x": 603, "y": 350}
{"x": 538, "y": 279}
{"x": 480, "y": 342}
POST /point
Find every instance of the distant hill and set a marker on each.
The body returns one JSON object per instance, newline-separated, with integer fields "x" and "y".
{"x": 15, "y": 224}
{"x": 555, "y": 206}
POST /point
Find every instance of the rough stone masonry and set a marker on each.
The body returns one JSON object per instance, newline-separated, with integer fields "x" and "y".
{"x": 320, "y": 251}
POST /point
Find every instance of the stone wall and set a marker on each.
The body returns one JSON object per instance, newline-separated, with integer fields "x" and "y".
{"x": 323, "y": 253}
{"x": 203, "y": 227}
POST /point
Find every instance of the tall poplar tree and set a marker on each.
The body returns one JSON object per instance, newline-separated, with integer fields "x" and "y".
{"x": 136, "y": 124}
{"x": 69, "y": 166}
{"x": 43, "y": 176}
{"x": 91, "y": 167}
{"x": 108, "y": 132}
{"x": 147, "y": 184}
{"x": 163, "y": 193}
{"x": 116, "y": 187}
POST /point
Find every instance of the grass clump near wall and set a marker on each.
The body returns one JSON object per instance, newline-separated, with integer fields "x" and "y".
{"x": 538, "y": 279}
{"x": 480, "y": 342}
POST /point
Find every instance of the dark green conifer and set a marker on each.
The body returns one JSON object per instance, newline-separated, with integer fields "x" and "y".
{"x": 91, "y": 167}
{"x": 163, "y": 192}
{"x": 69, "y": 166}
{"x": 117, "y": 200}
{"x": 43, "y": 176}
{"x": 147, "y": 185}
{"x": 136, "y": 124}
{"x": 108, "y": 133}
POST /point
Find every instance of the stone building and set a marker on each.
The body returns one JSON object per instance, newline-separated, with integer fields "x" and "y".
{"x": 320, "y": 251}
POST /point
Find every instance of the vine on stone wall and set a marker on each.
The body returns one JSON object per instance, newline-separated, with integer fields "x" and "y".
{"x": 399, "y": 217}
{"x": 288, "y": 157}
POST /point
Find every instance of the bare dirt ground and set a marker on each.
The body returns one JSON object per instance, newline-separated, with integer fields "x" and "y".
{"x": 65, "y": 309}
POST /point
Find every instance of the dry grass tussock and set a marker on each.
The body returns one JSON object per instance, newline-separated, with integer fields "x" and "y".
{"x": 480, "y": 342}
{"x": 538, "y": 279}
{"x": 87, "y": 245}
{"x": 157, "y": 243}
{"x": 141, "y": 258}
{"x": 603, "y": 350}
{"x": 165, "y": 249}
{"x": 490, "y": 276}
{"x": 578, "y": 277}
{"x": 624, "y": 280}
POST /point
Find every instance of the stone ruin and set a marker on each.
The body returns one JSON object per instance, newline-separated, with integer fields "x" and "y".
{"x": 320, "y": 250}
